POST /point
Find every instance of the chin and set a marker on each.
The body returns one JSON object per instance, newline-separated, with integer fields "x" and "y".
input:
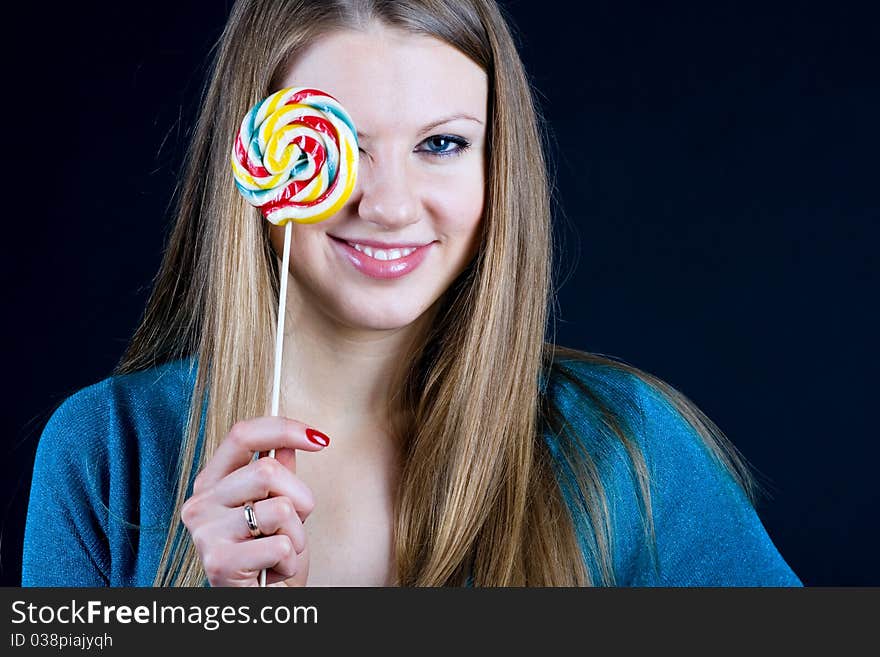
{"x": 376, "y": 317}
{"x": 380, "y": 322}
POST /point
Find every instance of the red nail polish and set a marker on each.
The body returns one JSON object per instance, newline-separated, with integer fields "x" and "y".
{"x": 317, "y": 437}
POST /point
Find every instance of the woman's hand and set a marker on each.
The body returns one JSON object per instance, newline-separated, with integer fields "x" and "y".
{"x": 215, "y": 514}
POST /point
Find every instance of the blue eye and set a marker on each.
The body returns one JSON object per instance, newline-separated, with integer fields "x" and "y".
{"x": 444, "y": 145}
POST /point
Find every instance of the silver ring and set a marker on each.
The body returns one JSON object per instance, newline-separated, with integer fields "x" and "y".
{"x": 251, "y": 519}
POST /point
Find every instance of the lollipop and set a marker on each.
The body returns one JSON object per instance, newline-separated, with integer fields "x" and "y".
{"x": 295, "y": 157}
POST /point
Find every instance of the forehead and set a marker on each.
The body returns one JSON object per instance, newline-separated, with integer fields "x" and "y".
{"x": 391, "y": 80}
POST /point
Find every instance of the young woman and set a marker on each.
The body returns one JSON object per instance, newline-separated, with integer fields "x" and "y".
{"x": 429, "y": 434}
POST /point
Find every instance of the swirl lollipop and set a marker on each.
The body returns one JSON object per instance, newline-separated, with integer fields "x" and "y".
{"x": 295, "y": 157}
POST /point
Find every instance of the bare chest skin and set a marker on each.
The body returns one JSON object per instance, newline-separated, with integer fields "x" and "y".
{"x": 350, "y": 530}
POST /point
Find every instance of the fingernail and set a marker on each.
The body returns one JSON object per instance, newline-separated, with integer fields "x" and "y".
{"x": 317, "y": 437}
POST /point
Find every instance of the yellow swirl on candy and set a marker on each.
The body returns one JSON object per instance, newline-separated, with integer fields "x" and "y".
{"x": 295, "y": 156}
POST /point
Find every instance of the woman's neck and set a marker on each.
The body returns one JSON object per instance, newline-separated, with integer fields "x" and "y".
{"x": 336, "y": 377}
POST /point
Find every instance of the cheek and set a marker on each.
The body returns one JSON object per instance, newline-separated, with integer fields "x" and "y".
{"x": 305, "y": 246}
{"x": 459, "y": 205}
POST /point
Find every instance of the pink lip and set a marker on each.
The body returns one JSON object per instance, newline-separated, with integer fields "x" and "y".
{"x": 383, "y": 269}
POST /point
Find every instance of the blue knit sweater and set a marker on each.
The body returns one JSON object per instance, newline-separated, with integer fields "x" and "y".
{"x": 104, "y": 480}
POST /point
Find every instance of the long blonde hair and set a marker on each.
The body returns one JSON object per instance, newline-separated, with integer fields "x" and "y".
{"x": 478, "y": 494}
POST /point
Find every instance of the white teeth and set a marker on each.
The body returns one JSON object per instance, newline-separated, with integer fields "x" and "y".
{"x": 381, "y": 254}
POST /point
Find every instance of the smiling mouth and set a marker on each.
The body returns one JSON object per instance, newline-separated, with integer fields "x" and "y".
{"x": 383, "y": 252}
{"x": 388, "y": 261}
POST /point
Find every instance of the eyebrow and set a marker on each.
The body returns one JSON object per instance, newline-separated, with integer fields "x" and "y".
{"x": 434, "y": 124}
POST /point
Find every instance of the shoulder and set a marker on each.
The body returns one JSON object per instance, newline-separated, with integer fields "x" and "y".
{"x": 641, "y": 425}
{"x": 588, "y": 389}
{"x": 597, "y": 400}
{"x": 99, "y": 417}
{"x": 159, "y": 389}
{"x": 581, "y": 381}
{"x": 120, "y": 435}
{"x": 102, "y": 479}
{"x": 668, "y": 473}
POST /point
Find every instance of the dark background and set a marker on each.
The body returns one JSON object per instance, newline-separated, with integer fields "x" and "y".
{"x": 716, "y": 173}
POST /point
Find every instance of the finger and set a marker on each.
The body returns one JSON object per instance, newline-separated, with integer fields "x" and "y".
{"x": 277, "y": 515}
{"x": 241, "y": 562}
{"x": 258, "y": 435}
{"x": 300, "y": 577}
{"x": 275, "y": 553}
{"x": 287, "y": 458}
{"x": 261, "y": 479}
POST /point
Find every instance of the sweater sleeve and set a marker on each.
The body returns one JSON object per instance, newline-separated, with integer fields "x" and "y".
{"x": 65, "y": 542}
{"x": 707, "y": 531}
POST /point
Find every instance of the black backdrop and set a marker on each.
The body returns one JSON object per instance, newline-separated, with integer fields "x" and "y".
{"x": 716, "y": 173}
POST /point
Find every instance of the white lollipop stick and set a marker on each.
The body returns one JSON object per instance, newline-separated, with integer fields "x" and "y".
{"x": 279, "y": 343}
{"x": 279, "y": 330}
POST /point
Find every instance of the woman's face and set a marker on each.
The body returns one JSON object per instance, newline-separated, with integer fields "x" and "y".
{"x": 419, "y": 107}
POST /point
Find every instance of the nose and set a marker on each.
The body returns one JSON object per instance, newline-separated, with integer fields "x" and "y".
{"x": 388, "y": 192}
